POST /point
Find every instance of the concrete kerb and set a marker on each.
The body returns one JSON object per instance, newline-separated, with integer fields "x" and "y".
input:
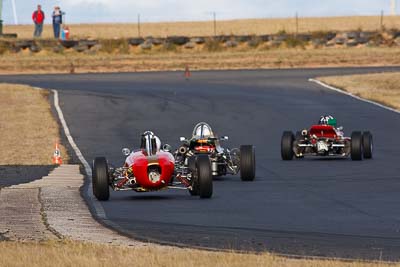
{"x": 86, "y": 192}
{"x": 98, "y": 208}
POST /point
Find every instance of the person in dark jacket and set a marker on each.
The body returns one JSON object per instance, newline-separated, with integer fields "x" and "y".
{"x": 38, "y": 18}
{"x": 57, "y": 21}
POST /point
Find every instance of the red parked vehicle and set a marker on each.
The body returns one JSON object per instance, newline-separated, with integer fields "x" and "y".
{"x": 151, "y": 168}
{"x": 324, "y": 139}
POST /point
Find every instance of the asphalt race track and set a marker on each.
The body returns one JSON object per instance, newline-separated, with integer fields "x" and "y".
{"x": 320, "y": 207}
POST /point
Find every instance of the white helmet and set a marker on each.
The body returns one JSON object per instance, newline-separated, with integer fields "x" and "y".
{"x": 202, "y": 130}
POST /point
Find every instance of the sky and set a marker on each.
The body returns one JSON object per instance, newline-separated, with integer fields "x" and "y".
{"x": 92, "y": 11}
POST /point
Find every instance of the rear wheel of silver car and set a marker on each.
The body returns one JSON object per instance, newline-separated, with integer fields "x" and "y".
{"x": 367, "y": 144}
{"x": 101, "y": 188}
{"x": 204, "y": 176}
{"x": 287, "y": 145}
{"x": 247, "y": 163}
{"x": 356, "y": 146}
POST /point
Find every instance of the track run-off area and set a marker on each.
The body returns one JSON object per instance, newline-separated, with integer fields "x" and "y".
{"x": 315, "y": 206}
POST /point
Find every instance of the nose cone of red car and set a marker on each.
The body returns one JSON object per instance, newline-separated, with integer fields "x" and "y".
{"x": 153, "y": 172}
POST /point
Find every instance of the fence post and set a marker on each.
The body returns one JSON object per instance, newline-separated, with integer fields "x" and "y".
{"x": 297, "y": 24}
{"x": 381, "y": 28}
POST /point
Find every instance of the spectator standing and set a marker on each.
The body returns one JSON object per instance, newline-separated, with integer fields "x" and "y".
{"x": 57, "y": 21}
{"x": 38, "y": 18}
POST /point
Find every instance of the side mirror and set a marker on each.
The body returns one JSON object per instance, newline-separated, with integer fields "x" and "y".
{"x": 167, "y": 148}
{"x": 182, "y": 139}
{"x": 126, "y": 151}
{"x": 340, "y": 128}
{"x": 224, "y": 137}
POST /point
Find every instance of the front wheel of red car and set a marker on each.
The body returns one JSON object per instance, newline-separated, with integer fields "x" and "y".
{"x": 367, "y": 144}
{"x": 287, "y": 145}
{"x": 100, "y": 185}
{"x": 356, "y": 146}
{"x": 204, "y": 176}
{"x": 247, "y": 163}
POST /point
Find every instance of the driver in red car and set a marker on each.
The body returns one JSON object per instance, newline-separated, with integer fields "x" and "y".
{"x": 150, "y": 143}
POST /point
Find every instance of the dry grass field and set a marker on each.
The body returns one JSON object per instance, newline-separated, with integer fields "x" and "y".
{"x": 28, "y": 129}
{"x": 205, "y": 28}
{"x": 261, "y": 58}
{"x": 67, "y": 253}
{"x": 380, "y": 87}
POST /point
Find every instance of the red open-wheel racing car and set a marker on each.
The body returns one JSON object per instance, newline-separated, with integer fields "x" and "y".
{"x": 324, "y": 139}
{"x": 151, "y": 169}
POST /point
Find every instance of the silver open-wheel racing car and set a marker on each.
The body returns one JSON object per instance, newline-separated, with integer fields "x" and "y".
{"x": 223, "y": 161}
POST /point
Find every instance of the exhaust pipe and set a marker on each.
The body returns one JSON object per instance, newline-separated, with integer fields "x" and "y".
{"x": 183, "y": 149}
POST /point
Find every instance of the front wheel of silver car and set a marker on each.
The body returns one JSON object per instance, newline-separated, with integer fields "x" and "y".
{"x": 247, "y": 163}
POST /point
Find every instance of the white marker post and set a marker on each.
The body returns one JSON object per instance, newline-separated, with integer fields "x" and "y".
{"x": 393, "y": 7}
{"x": 15, "y": 12}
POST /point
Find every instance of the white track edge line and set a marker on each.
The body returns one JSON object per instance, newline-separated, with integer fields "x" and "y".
{"x": 98, "y": 208}
{"x": 352, "y": 95}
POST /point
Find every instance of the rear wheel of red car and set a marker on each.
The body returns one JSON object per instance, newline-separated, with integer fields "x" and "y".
{"x": 204, "y": 176}
{"x": 287, "y": 145}
{"x": 247, "y": 163}
{"x": 367, "y": 144}
{"x": 101, "y": 188}
{"x": 356, "y": 146}
{"x": 192, "y": 168}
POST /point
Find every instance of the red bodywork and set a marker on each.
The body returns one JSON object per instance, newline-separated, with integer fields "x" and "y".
{"x": 323, "y": 131}
{"x": 140, "y": 163}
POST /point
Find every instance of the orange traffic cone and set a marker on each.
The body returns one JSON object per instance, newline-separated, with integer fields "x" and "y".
{"x": 187, "y": 72}
{"x": 57, "y": 155}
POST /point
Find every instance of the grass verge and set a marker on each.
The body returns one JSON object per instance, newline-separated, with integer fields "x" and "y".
{"x": 68, "y": 253}
{"x": 259, "y": 58}
{"x": 380, "y": 87}
{"x": 28, "y": 128}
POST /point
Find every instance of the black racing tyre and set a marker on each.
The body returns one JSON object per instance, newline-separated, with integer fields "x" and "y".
{"x": 247, "y": 163}
{"x": 204, "y": 176}
{"x": 367, "y": 144}
{"x": 100, "y": 184}
{"x": 287, "y": 145}
{"x": 356, "y": 146}
{"x": 192, "y": 168}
